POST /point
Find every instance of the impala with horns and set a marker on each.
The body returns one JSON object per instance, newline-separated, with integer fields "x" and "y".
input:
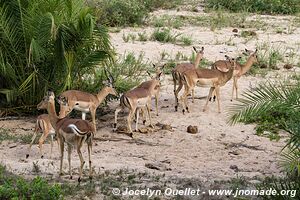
{"x": 212, "y": 78}
{"x": 136, "y": 99}
{"x": 179, "y": 69}
{"x": 240, "y": 69}
{"x": 72, "y": 131}
{"x": 86, "y": 102}
{"x": 43, "y": 125}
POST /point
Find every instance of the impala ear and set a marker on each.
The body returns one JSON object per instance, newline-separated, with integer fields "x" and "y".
{"x": 246, "y": 50}
{"x": 227, "y": 57}
{"x": 255, "y": 51}
{"x": 149, "y": 74}
{"x": 195, "y": 49}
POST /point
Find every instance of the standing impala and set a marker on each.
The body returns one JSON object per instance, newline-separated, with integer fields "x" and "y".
{"x": 136, "y": 99}
{"x": 212, "y": 78}
{"x": 240, "y": 69}
{"x": 43, "y": 125}
{"x": 72, "y": 131}
{"x": 179, "y": 69}
{"x": 86, "y": 102}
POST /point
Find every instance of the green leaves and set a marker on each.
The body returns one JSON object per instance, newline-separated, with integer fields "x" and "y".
{"x": 47, "y": 44}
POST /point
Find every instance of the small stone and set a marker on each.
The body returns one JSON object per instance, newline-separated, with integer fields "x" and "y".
{"x": 235, "y": 30}
{"x": 234, "y": 168}
{"x": 288, "y": 66}
{"x": 192, "y": 129}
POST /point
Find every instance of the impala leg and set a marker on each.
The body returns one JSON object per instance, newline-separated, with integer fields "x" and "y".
{"x": 41, "y": 142}
{"x": 116, "y": 118}
{"x": 69, "y": 160}
{"x": 233, "y": 87}
{"x": 51, "y": 143}
{"x": 218, "y": 98}
{"x": 32, "y": 141}
{"x": 236, "y": 88}
{"x": 83, "y": 115}
{"x": 183, "y": 98}
{"x": 149, "y": 115}
{"x": 193, "y": 96}
{"x": 156, "y": 102}
{"x": 175, "y": 83}
{"x": 176, "y": 94}
{"x": 90, "y": 161}
{"x": 81, "y": 163}
{"x": 137, "y": 118}
{"x": 62, "y": 146}
{"x": 129, "y": 118}
{"x": 93, "y": 114}
{"x": 143, "y": 115}
{"x": 207, "y": 99}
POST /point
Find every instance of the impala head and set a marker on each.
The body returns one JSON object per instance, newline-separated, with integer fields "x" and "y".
{"x": 158, "y": 71}
{"x": 109, "y": 83}
{"x": 43, "y": 104}
{"x": 232, "y": 62}
{"x": 64, "y": 107}
{"x": 199, "y": 52}
{"x": 252, "y": 55}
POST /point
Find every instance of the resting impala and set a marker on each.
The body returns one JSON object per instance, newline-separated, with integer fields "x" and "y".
{"x": 86, "y": 102}
{"x": 43, "y": 125}
{"x": 72, "y": 131}
{"x": 136, "y": 99}
{"x": 212, "y": 78}
{"x": 179, "y": 69}
{"x": 240, "y": 69}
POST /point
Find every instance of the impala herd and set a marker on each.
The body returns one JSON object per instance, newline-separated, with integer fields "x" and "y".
{"x": 74, "y": 132}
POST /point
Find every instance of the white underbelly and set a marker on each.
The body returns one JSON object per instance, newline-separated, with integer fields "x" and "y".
{"x": 142, "y": 102}
{"x": 82, "y": 106}
{"x": 205, "y": 82}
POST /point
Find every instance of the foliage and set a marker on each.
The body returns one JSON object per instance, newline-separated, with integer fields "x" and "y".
{"x": 259, "y": 6}
{"x": 14, "y": 187}
{"x": 128, "y": 12}
{"x": 23, "y": 138}
{"x": 47, "y": 44}
{"x": 164, "y": 35}
{"x": 275, "y": 106}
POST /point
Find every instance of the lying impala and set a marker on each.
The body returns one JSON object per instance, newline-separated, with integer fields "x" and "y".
{"x": 43, "y": 125}
{"x": 240, "y": 69}
{"x": 212, "y": 78}
{"x": 72, "y": 131}
{"x": 136, "y": 99}
{"x": 178, "y": 71}
{"x": 86, "y": 102}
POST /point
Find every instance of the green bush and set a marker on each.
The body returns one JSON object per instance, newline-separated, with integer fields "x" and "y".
{"x": 259, "y": 6}
{"x": 164, "y": 35}
{"x": 14, "y": 187}
{"x": 128, "y": 12}
{"x": 47, "y": 44}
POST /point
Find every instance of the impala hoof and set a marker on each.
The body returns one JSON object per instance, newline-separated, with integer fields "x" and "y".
{"x": 231, "y": 100}
{"x": 71, "y": 177}
{"x": 187, "y": 109}
{"x": 79, "y": 180}
{"x": 209, "y": 98}
{"x": 183, "y": 111}
{"x": 42, "y": 156}
{"x": 144, "y": 122}
{"x": 115, "y": 125}
{"x": 176, "y": 108}
{"x": 130, "y": 135}
{"x": 27, "y": 155}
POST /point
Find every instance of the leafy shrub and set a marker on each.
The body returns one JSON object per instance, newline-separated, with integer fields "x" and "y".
{"x": 260, "y": 6}
{"x": 128, "y": 12}
{"x": 164, "y": 35}
{"x": 14, "y": 187}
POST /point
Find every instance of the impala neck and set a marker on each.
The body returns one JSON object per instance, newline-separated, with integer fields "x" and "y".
{"x": 52, "y": 114}
{"x": 246, "y": 67}
{"x": 101, "y": 95}
{"x": 228, "y": 75}
{"x": 197, "y": 60}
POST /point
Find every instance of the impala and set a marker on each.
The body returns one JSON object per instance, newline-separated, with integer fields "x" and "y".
{"x": 86, "y": 102}
{"x": 43, "y": 125}
{"x": 72, "y": 131}
{"x": 136, "y": 99}
{"x": 212, "y": 78}
{"x": 240, "y": 69}
{"x": 179, "y": 69}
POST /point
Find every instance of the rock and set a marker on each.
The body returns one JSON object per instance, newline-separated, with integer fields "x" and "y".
{"x": 288, "y": 66}
{"x": 192, "y": 129}
{"x": 235, "y": 30}
{"x": 157, "y": 166}
{"x": 235, "y": 152}
{"x": 234, "y": 168}
{"x": 144, "y": 130}
{"x": 263, "y": 66}
{"x": 167, "y": 127}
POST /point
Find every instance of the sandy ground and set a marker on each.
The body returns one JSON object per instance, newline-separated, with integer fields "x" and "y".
{"x": 211, "y": 154}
